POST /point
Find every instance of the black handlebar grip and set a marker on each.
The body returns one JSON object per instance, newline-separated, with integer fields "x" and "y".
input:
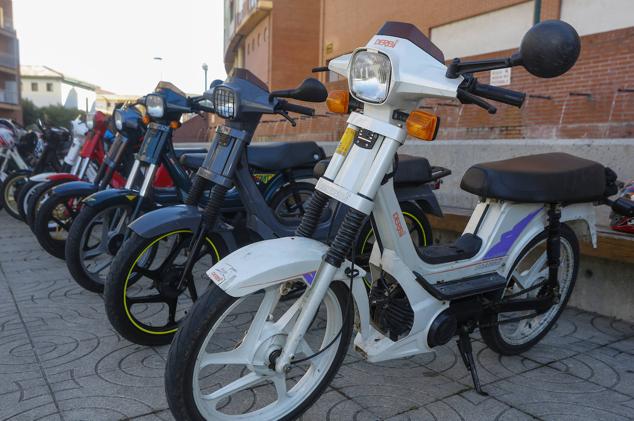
{"x": 294, "y": 108}
{"x": 494, "y": 93}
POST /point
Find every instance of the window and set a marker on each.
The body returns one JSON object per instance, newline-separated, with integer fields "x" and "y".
{"x": 49, "y": 87}
{"x": 34, "y": 86}
{"x": 258, "y": 39}
{"x": 266, "y": 34}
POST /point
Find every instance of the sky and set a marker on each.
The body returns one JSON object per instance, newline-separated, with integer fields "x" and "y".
{"x": 113, "y": 43}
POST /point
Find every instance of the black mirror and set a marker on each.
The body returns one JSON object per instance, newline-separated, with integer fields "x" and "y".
{"x": 549, "y": 49}
{"x": 311, "y": 90}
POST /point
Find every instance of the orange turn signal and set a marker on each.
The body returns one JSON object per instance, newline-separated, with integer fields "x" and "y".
{"x": 338, "y": 102}
{"x": 175, "y": 124}
{"x": 146, "y": 119}
{"x": 422, "y": 125}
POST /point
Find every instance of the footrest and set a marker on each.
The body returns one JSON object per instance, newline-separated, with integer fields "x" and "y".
{"x": 462, "y": 288}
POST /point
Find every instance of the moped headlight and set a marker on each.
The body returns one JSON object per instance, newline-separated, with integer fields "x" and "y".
{"x": 118, "y": 120}
{"x": 90, "y": 121}
{"x": 370, "y": 75}
{"x": 155, "y": 105}
{"x": 224, "y": 102}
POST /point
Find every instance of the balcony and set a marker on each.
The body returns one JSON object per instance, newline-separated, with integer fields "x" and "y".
{"x": 244, "y": 20}
{"x": 9, "y": 60}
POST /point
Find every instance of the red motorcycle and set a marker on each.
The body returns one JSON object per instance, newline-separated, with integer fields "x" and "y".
{"x": 84, "y": 167}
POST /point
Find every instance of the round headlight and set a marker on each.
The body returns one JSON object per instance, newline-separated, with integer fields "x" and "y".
{"x": 155, "y": 106}
{"x": 118, "y": 119}
{"x": 224, "y": 102}
{"x": 90, "y": 121}
{"x": 370, "y": 76}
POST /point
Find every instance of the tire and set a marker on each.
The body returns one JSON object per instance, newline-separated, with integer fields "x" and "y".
{"x": 34, "y": 201}
{"x": 193, "y": 336}
{"x": 11, "y": 190}
{"x": 25, "y": 193}
{"x": 494, "y": 335}
{"x": 91, "y": 281}
{"x": 123, "y": 284}
{"x": 58, "y": 210}
{"x": 417, "y": 224}
{"x": 284, "y": 205}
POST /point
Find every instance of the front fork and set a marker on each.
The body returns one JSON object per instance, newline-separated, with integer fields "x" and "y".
{"x": 335, "y": 256}
{"x": 208, "y": 220}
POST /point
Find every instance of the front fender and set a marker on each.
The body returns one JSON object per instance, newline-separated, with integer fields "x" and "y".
{"x": 167, "y": 219}
{"x": 272, "y": 262}
{"x": 41, "y": 177}
{"x": 77, "y": 188}
{"x": 112, "y": 197}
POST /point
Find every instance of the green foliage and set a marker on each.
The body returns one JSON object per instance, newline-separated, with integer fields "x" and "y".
{"x": 53, "y": 115}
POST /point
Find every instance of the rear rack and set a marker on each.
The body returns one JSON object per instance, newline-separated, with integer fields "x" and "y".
{"x": 439, "y": 172}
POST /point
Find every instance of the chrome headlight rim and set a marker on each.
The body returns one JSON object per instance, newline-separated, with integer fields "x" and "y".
{"x": 225, "y": 102}
{"x": 388, "y": 83}
{"x": 155, "y": 106}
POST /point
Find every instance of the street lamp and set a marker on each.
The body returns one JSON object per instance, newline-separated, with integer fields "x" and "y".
{"x": 159, "y": 60}
{"x": 205, "y": 68}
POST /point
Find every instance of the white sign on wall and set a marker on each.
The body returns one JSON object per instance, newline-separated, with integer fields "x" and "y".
{"x": 500, "y": 77}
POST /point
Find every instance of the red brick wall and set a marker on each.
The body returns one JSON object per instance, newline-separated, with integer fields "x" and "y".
{"x": 604, "y": 71}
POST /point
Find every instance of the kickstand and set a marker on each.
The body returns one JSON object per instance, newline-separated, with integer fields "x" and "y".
{"x": 466, "y": 352}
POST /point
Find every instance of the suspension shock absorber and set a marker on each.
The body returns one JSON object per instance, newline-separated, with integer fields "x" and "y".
{"x": 195, "y": 192}
{"x": 312, "y": 214}
{"x": 209, "y": 217}
{"x": 345, "y": 237}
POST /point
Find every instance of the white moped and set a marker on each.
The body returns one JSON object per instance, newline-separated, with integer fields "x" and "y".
{"x": 245, "y": 353}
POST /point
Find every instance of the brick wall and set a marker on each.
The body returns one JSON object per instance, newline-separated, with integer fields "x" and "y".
{"x": 594, "y": 100}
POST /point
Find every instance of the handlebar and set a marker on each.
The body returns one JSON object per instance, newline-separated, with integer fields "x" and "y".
{"x": 470, "y": 91}
{"x": 495, "y": 93}
{"x": 295, "y": 108}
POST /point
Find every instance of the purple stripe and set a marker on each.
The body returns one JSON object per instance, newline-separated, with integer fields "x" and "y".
{"x": 508, "y": 238}
{"x": 309, "y": 277}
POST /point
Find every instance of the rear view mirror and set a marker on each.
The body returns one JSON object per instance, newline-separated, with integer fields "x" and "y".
{"x": 311, "y": 90}
{"x": 549, "y": 49}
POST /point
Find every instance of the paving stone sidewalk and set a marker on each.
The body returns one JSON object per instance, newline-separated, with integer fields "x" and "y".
{"x": 61, "y": 360}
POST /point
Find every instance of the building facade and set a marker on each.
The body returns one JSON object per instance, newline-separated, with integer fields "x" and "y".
{"x": 594, "y": 100}
{"x": 45, "y": 86}
{"x": 9, "y": 64}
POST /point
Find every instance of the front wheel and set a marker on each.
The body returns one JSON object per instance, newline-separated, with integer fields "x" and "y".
{"x": 10, "y": 191}
{"x": 34, "y": 199}
{"x": 53, "y": 222}
{"x": 219, "y": 364}
{"x": 94, "y": 238}
{"x": 508, "y": 337}
{"x": 144, "y": 301}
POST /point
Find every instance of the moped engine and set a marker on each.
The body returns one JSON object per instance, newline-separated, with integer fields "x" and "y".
{"x": 390, "y": 309}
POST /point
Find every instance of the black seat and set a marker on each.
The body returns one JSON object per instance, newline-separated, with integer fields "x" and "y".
{"x": 544, "y": 178}
{"x": 182, "y": 151}
{"x": 283, "y": 155}
{"x": 410, "y": 170}
{"x": 192, "y": 161}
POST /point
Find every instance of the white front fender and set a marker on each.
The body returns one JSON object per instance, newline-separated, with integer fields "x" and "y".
{"x": 272, "y": 262}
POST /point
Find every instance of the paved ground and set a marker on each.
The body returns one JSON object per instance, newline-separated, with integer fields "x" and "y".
{"x": 59, "y": 359}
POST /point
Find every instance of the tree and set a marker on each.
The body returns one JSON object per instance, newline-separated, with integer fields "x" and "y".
{"x": 30, "y": 112}
{"x": 52, "y": 115}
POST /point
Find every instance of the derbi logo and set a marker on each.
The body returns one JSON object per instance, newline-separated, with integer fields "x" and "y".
{"x": 386, "y": 43}
{"x": 397, "y": 224}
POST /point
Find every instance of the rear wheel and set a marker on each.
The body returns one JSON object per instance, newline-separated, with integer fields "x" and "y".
{"x": 416, "y": 223}
{"x": 53, "y": 222}
{"x": 508, "y": 337}
{"x": 143, "y": 300}
{"x": 220, "y": 363}
{"x": 94, "y": 238}
{"x": 10, "y": 191}
{"x": 288, "y": 203}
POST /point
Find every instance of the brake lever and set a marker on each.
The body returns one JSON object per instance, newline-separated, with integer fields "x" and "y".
{"x": 468, "y": 98}
{"x": 287, "y": 117}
